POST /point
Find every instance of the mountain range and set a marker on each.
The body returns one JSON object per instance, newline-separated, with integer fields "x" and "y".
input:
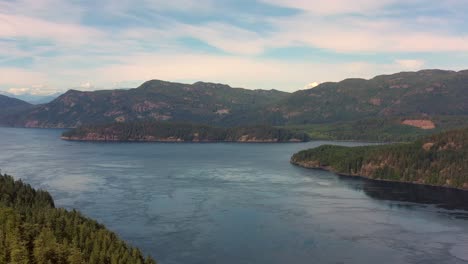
{"x": 154, "y": 100}
{"x": 414, "y": 98}
{"x": 33, "y": 98}
{"x": 12, "y": 106}
{"x": 422, "y": 93}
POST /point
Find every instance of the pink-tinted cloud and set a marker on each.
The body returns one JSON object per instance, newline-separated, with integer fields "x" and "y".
{"x": 21, "y": 78}
{"x": 331, "y": 7}
{"x": 141, "y": 51}
{"x": 16, "y": 26}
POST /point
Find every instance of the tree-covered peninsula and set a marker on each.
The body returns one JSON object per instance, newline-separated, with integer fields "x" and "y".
{"x": 440, "y": 160}
{"x": 32, "y": 230}
{"x": 181, "y": 132}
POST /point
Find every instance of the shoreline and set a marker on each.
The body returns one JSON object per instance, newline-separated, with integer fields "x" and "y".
{"x": 312, "y": 139}
{"x": 179, "y": 141}
{"x": 330, "y": 169}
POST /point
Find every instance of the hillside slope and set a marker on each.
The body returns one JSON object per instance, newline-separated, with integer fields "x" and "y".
{"x": 9, "y": 102}
{"x": 440, "y": 160}
{"x": 33, "y": 98}
{"x": 383, "y": 129}
{"x": 153, "y": 100}
{"x": 418, "y": 95}
{"x": 32, "y": 230}
{"x": 9, "y": 107}
{"x": 424, "y": 93}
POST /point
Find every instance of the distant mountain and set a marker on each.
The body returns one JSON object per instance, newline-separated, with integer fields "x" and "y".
{"x": 9, "y": 102}
{"x": 11, "y": 106}
{"x": 440, "y": 160}
{"x": 413, "y": 97}
{"x": 39, "y": 99}
{"x": 423, "y": 93}
{"x": 33, "y": 98}
{"x": 200, "y": 102}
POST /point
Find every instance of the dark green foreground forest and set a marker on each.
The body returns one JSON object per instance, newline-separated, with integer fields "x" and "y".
{"x": 32, "y": 230}
{"x": 441, "y": 160}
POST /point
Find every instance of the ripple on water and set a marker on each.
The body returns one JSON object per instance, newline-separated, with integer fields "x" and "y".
{"x": 73, "y": 183}
{"x": 460, "y": 251}
{"x": 234, "y": 203}
{"x": 116, "y": 166}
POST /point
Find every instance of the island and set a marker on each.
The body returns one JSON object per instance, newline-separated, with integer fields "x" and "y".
{"x": 150, "y": 131}
{"x": 32, "y": 230}
{"x": 438, "y": 160}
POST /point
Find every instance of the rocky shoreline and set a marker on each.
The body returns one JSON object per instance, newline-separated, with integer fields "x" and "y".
{"x": 313, "y": 166}
{"x": 93, "y": 138}
{"x": 149, "y": 131}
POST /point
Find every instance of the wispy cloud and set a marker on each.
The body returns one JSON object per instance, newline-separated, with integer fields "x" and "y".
{"x": 38, "y": 89}
{"x": 333, "y": 7}
{"x": 311, "y": 85}
{"x": 60, "y": 43}
{"x": 410, "y": 64}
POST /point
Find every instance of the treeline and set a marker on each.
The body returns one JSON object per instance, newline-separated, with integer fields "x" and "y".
{"x": 440, "y": 160}
{"x": 165, "y": 131}
{"x": 32, "y": 230}
{"x": 380, "y": 129}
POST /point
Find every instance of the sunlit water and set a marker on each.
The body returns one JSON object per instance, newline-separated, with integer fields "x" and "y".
{"x": 239, "y": 203}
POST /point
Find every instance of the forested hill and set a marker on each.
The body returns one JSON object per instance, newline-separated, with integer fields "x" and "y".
{"x": 181, "y": 132}
{"x": 8, "y": 102}
{"x": 440, "y": 160}
{"x": 32, "y": 230}
{"x": 154, "y": 100}
{"x": 9, "y": 107}
{"x": 419, "y": 95}
{"x": 424, "y": 93}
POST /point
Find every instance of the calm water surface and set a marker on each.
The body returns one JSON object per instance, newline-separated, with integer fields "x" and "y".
{"x": 239, "y": 203}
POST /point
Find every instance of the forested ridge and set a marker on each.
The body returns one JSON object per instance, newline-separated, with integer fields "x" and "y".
{"x": 441, "y": 160}
{"x": 381, "y": 129}
{"x": 156, "y": 100}
{"x": 422, "y": 94}
{"x": 33, "y": 231}
{"x": 181, "y": 132}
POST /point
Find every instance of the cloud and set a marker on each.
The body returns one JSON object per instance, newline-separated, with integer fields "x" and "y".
{"x": 410, "y": 64}
{"x": 311, "y": 85}
{"x": 350, "y": 34}
{"x": 248, "y": 73}
{"x": 86, "y": 85}
{"x": 329, "y": 7}
{"x": 112, "y": 42}
{"x": 21, "y": 77}
{"x": 314, "y": 28}
{"x": 18, "y": 91}
{"x": 17, "y": 26}
{"x": 33, "y": 90}
{"x": 130, "y": 70}
{"x": 182, "y": 5}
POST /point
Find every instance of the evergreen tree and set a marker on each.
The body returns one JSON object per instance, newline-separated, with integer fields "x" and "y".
{"x": 32, "y": 230}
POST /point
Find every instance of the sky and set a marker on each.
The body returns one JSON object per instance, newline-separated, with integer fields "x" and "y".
{"x": 51, "y": 45}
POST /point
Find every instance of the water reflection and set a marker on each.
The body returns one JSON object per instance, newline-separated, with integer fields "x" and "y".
{"x": 410, "y": 194}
